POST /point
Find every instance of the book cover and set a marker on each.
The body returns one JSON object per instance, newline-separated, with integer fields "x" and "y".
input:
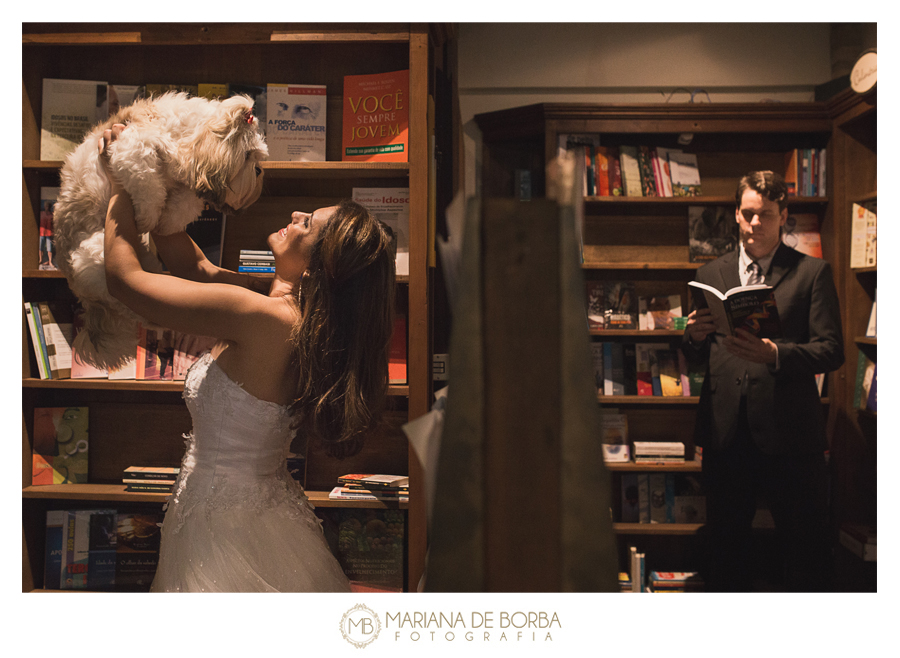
{"x": 613, "y": 369}
{"x": 187, "y": 349}
{"x": 60, "y": 447}
{"x": 155, "y": 354}
{"x": 208, "y": 232}
{"x": 662, "y": 497}
{"x": 375, "y": 480}
{"x": 871, "y": 238}
{"x": 57, "y": 326}
{"x": 39, "y": 349}
{"x": 643, "y": 482}
{"x": 596, "y": 304}
{"x": 685, "y": 174}
{"x": 648, "y": 176}
{"x": 872, "y": 326}
{"x": 137, "y": 550}
{"x": 644, "y": 361}
{"x": 859, "y": 226}
{"x": 801, "y": 232}
{"x": 669, "y": 373}
{"x": 630, "y": 498}
{"x": 621, "y": 307}
{"x": 295, "y": 122}
{"x": 613, "y": 429}
{"x": 712, "y": 232}
{"x": 212, "y": 90}
{"x": 630, "y": 171}
{"x": 54, "y": 548}
{"x": 665, "y": 169}
{"x": 751, "y": 308}
{"x": 78, "y": 563}
{"x": 348, "y": 493}
{"x": 368, "y": 544}
{"x": 615, "y": 172}
{"x": 66, "y": 580}
{"x": 391, "y": 206}
{"x": 157, "y": 89}
{"x": 629, "y": 372}
{"x": 376, "y": 117}
{"x": 597, "y": 363}
{"x": 46, "y": 246}
{"x": 101, "y": 573}
{"x": 151, "y": 473}
{"x": 397, "y": 354}
{"x": 658, "y": 312}
{"x": 601, "y": 165}
{"x": 791, "y": 173}
{"x": 120, "y": 96}
{"x": 68, "y": 110}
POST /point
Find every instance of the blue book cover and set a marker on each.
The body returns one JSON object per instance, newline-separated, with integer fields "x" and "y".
{"x": 54, "y": 548}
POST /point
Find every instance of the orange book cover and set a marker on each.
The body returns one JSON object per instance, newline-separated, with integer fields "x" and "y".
{"x": 397, "y": 358}
{"x": 376, "y": 118}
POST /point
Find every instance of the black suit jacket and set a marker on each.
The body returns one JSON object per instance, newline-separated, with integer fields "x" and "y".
{"x": 785, "y": 412}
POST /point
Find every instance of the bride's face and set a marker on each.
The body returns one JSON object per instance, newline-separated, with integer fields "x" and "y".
{"x": 292, "y": 245}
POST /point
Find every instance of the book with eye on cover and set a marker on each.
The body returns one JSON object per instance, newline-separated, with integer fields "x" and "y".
{"x": 751, "y": 308}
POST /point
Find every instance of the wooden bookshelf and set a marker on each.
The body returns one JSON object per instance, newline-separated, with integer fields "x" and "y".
{"x": 152, "y": 414}
{"x": 645, "y": 239}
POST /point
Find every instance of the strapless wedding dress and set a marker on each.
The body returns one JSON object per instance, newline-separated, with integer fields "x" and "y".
{"x": 237, "y": 521}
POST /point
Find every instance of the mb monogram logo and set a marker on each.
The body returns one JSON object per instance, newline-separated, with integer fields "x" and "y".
{"x": 360, "y": 626}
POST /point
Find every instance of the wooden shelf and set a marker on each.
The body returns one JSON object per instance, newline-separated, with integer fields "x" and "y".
{"x": 637, "y": 333}
{"x": 283, "y": 169}
{"x": 647, "y": 399}
{"x": 656, "y": 528}
{"x": 136, "y": 385}
{"x": 56, "y": 274}
{"x": 866, "y": 340}
{"x": 212, "y": 34}
{"x": 634, "y": 265}
{"x": 117, "y": 493}
{"x": 690, "y": 466}
{"x": 688, "y": 200}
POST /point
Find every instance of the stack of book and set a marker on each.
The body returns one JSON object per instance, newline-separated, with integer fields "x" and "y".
{"x": 158, "y": 479}
{"x": 359, "y": 486}
{"x": 675, "y": 581}
{"x": 667, "y": 452}
{"x": 259, "y": 261}
{"x": 638, "y": 570}
{"x": 860, "y": 540}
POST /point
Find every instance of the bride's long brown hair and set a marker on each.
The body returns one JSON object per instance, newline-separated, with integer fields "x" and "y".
{"x": 342, "y": 339}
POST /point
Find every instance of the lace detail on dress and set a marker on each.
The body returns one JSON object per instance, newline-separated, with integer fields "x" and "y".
{"x": 236, "y": 455}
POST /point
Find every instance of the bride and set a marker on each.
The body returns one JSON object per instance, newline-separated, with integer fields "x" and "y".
{"x": 310, "y": 358}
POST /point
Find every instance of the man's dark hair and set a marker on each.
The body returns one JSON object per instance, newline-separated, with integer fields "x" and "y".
{"x": 768, "y": 184}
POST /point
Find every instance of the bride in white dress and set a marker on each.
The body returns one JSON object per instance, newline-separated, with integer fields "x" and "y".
{"x": 313, "y": 360}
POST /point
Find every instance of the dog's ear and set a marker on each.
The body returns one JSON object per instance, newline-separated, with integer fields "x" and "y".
{"x": 220, "y": 146}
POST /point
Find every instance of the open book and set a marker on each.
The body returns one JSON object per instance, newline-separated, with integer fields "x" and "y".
{"x": 751, "y": 308}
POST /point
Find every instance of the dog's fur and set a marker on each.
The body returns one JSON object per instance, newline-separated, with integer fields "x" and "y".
{"x": 176, "y": 152}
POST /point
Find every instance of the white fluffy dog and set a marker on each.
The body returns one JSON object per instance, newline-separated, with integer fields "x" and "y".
{"x": 176, "y": 152}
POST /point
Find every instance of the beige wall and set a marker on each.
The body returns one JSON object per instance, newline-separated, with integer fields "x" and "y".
{"x": 506, "y": 65}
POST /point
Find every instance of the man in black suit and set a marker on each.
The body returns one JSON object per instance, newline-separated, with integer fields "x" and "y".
{"x": 760, "y": 420}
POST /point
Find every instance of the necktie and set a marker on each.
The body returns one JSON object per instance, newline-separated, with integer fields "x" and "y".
{"x": 755, "y": 274}
{"x": 755, "y": 278}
